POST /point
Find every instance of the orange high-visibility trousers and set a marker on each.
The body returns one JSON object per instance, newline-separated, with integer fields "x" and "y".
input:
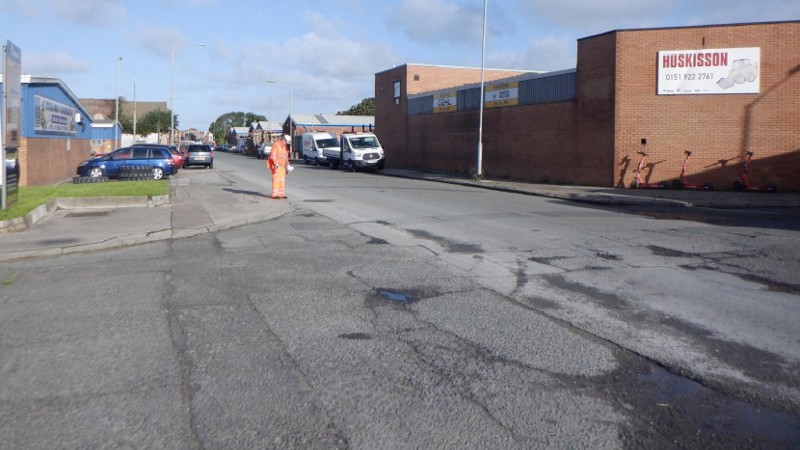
{"x": 277, "y": 162}
{"x": 279, "y": 183}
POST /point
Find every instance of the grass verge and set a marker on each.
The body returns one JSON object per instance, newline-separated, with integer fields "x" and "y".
{"x": 30, "y": 197}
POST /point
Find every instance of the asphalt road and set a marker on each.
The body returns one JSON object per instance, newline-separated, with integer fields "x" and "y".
{"x": 396, "y": 313}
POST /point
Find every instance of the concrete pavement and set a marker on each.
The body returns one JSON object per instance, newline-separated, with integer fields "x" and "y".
{"x": 206, "y": 201}
{"x": 199, "y": 202}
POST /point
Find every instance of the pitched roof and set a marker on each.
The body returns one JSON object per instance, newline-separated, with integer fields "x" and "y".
{"x": 332, "y": 120}
{"x": 268, "y": 125}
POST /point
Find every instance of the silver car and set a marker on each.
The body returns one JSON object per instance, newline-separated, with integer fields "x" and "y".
{"x": 264, "y": 150}
{"x": 199, "y": 155}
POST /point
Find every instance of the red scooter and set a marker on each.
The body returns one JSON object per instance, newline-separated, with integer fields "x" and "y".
{"x": 681, "y": 182}
{"x": 743, "y": 184}
{"x": 638, "y": 183}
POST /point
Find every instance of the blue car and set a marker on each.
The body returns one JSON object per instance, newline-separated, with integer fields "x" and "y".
{"x": 158, "y": 158}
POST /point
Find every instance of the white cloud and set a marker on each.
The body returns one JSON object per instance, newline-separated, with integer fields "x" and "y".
{"x": 540, "y": 54}
{"x": 712, "y": 12}
{"x": 23, "y": 7}
{"x": 334, "y": 56}
{"x": 593, "y": 16}
{"x": 105, "y": 13}
{"x": 435, "y": 21}
{"x": 157, "y": 40}
{"x": 53, "y": 64}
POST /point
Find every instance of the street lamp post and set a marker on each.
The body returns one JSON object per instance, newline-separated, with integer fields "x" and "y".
{"x": 291, "y": 128}
{"x": 172, "y": 86}
{"x": 479, "y": 169}
{"x": 134, "y": 110}
{"x": 116, "y": 113}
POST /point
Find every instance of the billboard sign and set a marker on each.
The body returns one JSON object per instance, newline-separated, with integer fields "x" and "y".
{"x": 11, "y": 117}
{"x": 709, "y": 71}
{"x": 53, "y": 117}
{"x": 445, "y": 102}
{"x": 502, "y": 94}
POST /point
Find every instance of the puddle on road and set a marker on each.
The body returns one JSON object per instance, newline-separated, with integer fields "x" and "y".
{"x": 62, "y": 241}
{"x": 672, "y": 253}
{"x": 399, "y": 298}
{"x": 356, "y": 336}
{"x": 738, "y": 420}
{"x": 395, "y": 296}
{"x": 87, "y": 214}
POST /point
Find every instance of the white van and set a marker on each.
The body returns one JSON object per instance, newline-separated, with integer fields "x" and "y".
{"x": 316, "y": 144}
{"x": 358, "y": 151}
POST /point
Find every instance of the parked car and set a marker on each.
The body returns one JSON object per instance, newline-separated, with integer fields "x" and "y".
{"x": 177, "y": 156}
{"x": 264, "y": 150}
{"x": 224, "y": 148}
{"x": 157, "y": 157}
{"x": 199, "y": 155}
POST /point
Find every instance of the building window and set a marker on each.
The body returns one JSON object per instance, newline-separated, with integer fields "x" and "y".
{"x": 396, "y": 90}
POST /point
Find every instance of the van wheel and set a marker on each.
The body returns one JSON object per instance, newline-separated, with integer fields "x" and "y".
{"x": 352, "y": 166}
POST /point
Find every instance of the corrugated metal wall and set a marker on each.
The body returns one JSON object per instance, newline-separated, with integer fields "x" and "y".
{"x": 420, "y": 105}
{"x": 558, "y": 87}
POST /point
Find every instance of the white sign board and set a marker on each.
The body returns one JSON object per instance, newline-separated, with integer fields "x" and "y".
{"x": 53, "y": 117}
{"x": 445, "y": 102}
{"x": 709, "y": 71}
{"x": 503, "y": 94}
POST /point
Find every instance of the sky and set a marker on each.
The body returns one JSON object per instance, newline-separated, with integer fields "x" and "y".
{"x": 216, "y": 56}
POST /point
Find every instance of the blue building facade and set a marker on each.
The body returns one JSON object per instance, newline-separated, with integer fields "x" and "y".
{"x": 57, "y": 132}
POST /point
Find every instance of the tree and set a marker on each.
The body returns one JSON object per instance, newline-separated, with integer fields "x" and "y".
{"x": 219, "y": 128}
{"x": 125, "y": 121}
{"x": 365, "y": 108}
{"x": 155, "y": 122}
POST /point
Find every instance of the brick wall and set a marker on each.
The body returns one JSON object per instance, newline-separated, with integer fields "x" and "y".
{"x": 719, "y": 129}
{"x": 592, "y": 159}
{"x": 523, "y": 142}
{"x": 100, "y": 107}
{"x": 47, "y": 161}
{"x": 390, "y": 117}
{"x": 594, "y": 140}
{"x": 421, "y": 79}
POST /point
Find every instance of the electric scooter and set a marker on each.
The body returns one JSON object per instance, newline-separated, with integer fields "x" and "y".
{"x": 681, "y": 182}
{"x": 743, "y": 184}
{"x": 638, "y": 183}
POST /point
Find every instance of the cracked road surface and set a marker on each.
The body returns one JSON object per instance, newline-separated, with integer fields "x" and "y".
{"x": 422, "y": 321}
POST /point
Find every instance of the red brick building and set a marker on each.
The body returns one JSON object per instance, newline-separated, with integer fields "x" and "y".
{"x": 585, "y": 126}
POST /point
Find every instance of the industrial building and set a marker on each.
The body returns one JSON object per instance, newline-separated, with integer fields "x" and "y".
{"x": 718, "y": 91}
{"x": 57, "y": 132}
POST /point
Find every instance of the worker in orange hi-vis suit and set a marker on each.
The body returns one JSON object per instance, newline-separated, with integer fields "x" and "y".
{"x": 278, "y": 162}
